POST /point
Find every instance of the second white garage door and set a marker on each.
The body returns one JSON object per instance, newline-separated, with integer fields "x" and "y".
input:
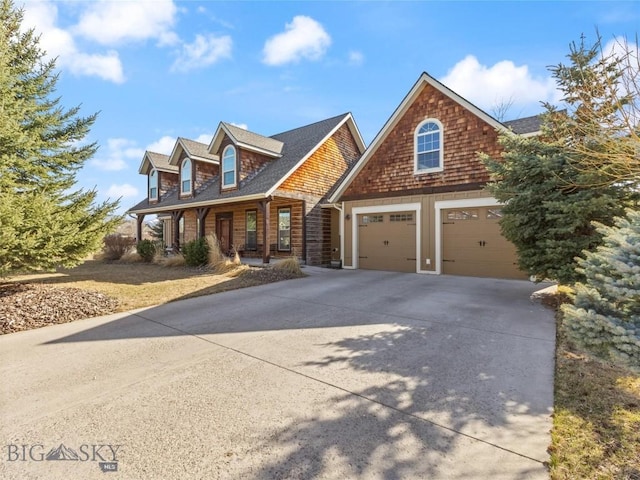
{"x": 387, "y": 241}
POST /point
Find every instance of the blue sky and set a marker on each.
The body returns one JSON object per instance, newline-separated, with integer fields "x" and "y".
{"x": 156, "y": 70}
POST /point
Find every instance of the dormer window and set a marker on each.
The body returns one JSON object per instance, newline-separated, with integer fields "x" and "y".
{"x": 153, "y": 185}
{"x": 229, "y": 167}
{"x": 186, "y": 173}
{"x": 428, "y": 147}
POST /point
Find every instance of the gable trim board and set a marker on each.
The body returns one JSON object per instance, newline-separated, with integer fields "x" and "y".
{"x": 425, "y": 79}
{"x": 348, "y": 119}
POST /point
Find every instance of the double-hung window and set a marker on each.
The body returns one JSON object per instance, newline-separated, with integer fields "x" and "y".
{"x": 186, "y": 174}
{"x": 229, "y": 167}
{"x": 428, "y": 147}
{"x": 153, "y": 185}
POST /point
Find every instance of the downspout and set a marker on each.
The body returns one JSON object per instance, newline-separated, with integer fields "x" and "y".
{"x": 304, "y": 232}
{"x": 340, "y": 209}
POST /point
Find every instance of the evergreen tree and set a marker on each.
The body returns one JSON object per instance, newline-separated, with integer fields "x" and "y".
{"x": 551, "y": 187}
{"x": 605, "y": 316}
{"x": 157, "y": 230}
{"x": 546, "y": 217}
{"x": 44, "y": 223}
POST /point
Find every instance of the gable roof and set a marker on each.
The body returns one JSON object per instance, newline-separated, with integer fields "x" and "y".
{"x": 194, "y": 150}
{"x": 245, "y": 139}
{"x": 158, "y": 161}
{"x": 297, "y": 146}
{"x": 526, "y": 126}
{"x": 407, "y": 101}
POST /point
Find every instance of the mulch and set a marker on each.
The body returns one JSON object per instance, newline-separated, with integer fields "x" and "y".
{"x": 26, "y": 306}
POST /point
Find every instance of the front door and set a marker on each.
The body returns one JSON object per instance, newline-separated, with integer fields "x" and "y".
{"x": 224, "y": 232}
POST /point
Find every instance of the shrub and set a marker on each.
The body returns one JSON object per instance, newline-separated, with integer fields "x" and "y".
{"x": 215, "y": 252}
{"x": 196, "y": 253}
{"x": 146, "y": 249}
{"x": 116, "y": 245}
{"x": 605, "y": 316}
{"x": 290, "y": 265}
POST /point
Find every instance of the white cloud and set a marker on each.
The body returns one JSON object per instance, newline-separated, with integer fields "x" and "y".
{"x": 240, "y": 125}
{"x": 204, "y": 51}
{"x": 163, "y": 145}
{"x": 113, "y": 23}
{"x": 621, "y": 47}
{"x": 488, "y": 86}
{"x": 118, "y": 152}
{"x": 56, "y": 42}
{"x": 356, "y": 58}
{"x": 204, "y": 138}
{"x": 303, "y": 38}
{"x": 125, "y": 190}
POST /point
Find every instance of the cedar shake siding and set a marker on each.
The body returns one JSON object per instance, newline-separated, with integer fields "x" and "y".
{"x": 295, "y": 169}
{"x": 313, "y": 180}
{"x": 325, "y": 166}
{"x": 201, "y": 173}
{"x": 250, "y": 162}
{"x": 238, "y": 214}
{"x": 391, "y": 167}
{"x": 167, "y": 181}
{"x": 204, "y": 172}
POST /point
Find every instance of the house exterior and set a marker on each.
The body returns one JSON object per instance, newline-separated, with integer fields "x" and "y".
{"x": 415, "y": 200}
{"x": 259, "y": 195}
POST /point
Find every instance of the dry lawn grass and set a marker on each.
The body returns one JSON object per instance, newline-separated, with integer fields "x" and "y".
{"x": 596, "y": 426}
{"x": 137, "y": 285}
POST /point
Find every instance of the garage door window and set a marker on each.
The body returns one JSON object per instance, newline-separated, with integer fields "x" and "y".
{"x": 494, "y": 213}
{"x": 401, "y": 217}
{"x": 372, "y": 218}
{"x": 462, "y": 215}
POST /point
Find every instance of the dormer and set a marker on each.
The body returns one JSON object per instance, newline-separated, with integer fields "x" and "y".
{"x": 195, "y": 165}
{"x": 161, "y": 176}
{"x": 242, "y": 153}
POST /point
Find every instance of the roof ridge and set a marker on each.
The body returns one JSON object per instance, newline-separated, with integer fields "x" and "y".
{"x": 311, "y": 124}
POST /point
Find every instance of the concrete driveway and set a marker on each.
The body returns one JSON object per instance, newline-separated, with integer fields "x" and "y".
{"x": 340, "y": 375}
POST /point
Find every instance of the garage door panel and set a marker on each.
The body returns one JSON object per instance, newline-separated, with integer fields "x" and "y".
{"x": 387, "y": 241}
{"x": 473, "y": 245}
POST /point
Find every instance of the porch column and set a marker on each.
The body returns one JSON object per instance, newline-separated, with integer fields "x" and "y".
{"x": 265, "y": 207}
{"x": 176, "y": 215}
{"x": 139, "y": 220}
{"x": 202, "y": 216}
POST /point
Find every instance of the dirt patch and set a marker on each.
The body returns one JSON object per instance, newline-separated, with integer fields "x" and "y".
{"x": 27, "y": 306}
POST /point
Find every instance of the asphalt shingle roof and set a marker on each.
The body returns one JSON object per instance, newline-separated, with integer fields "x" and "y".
{"x": 525, "y": 125}
{"x": 160, "y": 161}
{"x": 197, "y": 149}
{"x": 296, "y": 144}
{"x": 249, "y": 138}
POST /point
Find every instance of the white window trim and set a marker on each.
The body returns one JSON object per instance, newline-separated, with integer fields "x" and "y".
{"x": 446, "y": 204}
{"x": 157, "y": 184}
{"x": 235, "y": 167}
{"x": 399, "y": 207}
{"x": 290, "y": 249}
{"x": 423, "y": 171}
{"x": 190, "y": 176}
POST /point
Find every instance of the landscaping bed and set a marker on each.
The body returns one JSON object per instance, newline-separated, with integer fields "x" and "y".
{"x": 98, "y": 288}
